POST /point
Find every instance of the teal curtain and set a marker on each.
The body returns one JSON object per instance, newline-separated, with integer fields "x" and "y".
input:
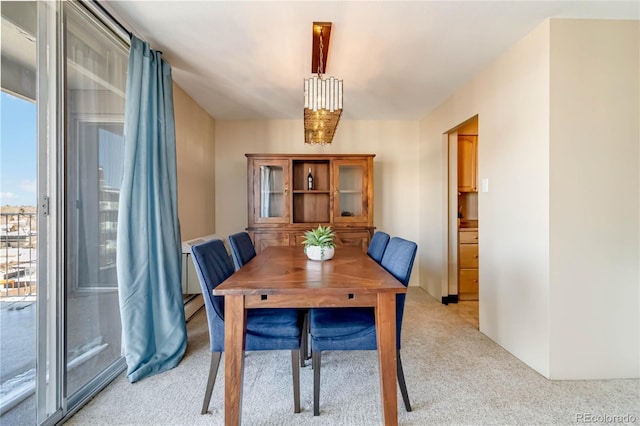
{"x": 148, "y": 254}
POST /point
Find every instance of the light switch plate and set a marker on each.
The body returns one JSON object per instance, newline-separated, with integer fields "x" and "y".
{"x": 485, "y": 185}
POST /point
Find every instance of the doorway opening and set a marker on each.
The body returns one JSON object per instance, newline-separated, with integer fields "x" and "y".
{"x": 463, "y": 286}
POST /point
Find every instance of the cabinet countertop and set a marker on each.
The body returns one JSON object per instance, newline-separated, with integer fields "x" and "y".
{"x": 468, "y": 225}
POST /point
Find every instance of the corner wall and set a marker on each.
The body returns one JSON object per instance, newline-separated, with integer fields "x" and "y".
{"x": 512, "y": 103}
{"x": 195, "y": 154}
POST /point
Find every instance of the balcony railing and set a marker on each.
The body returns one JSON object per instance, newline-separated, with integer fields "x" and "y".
{"x": 18, "y": 236}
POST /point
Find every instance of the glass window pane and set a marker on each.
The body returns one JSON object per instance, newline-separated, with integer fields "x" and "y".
{"x": 96, "y": 78}
{"x": 271, "y": 191}
{"x": 350, "y": 190}
{"x": 18, "y": 225}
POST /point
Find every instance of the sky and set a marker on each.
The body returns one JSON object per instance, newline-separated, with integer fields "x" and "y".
{"x": 17, "y": 151}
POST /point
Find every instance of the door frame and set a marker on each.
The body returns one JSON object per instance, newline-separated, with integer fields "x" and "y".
{"x": 449, "y": 284}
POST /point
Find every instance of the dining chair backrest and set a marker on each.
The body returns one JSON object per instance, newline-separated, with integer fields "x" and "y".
{"x": 213, "y": 266}
{"x": 242, "y": 249}
{"x": 378, "y": 245}
{"x": 398, "y": 261}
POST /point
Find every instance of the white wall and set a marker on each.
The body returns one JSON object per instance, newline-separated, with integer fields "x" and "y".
{"x": 549, "y": 289}
{"x": 396, "y": 178}
{"x": 594, "y": 244}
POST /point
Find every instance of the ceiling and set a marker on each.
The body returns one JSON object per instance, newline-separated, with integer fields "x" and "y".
{"x": 398, "y": 59}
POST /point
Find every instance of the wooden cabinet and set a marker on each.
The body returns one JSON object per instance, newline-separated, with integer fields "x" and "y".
{"x": 281, "y": 207}
{"x": 266, "y": 239}
{"x": 468, "y": 279}
{"x": 467, "y": 163}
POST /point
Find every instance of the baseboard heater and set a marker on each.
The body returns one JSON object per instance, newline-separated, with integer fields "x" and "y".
{"x": 192, "y": 304}
{"x": 191, "y": 292}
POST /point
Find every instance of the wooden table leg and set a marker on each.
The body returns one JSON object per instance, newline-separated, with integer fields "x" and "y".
{"x": 234, "y": 341}
{"x": 386, "y": 336}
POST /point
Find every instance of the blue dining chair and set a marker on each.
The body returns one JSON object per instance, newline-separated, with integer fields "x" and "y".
{"x": 351, "y": 329}
{"x": 377, "y": 245}
{"x": 242, "y": 249}
{"x": 266, "y": 329}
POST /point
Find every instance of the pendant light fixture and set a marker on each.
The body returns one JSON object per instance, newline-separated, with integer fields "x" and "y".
{"x": 322, "y": 95}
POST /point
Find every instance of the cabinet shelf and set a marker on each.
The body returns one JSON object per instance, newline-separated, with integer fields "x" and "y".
{"x": 313, "y": 191}
{"x": 311, "y": 207}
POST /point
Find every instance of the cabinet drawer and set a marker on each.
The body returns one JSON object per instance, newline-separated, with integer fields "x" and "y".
{"x": 297, "y": 238}
{"x": 342, "y": 238}
{"x": 468, "y": 284}
{"x": 262, "y": 240}
{"x": 468, "y": 237}
{"x": 353, "y": 238}
{"x": 468, "y": 256}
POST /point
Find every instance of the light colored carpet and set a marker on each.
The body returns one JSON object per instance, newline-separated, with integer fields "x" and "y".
{"x": 455, "y": 376}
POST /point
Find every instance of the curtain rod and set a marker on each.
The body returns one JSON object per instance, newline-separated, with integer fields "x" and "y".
{"x": 94, "y": 4}
{"x": 102, "y": 10}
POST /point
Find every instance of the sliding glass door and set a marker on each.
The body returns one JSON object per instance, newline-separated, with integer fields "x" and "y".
{"x": 96, "y": 67}
{"x": 63, "y": 86}
{"x": 18, "y": 221}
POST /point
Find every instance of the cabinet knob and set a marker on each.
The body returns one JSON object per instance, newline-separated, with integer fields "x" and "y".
{"x": 336, "y": 192}
{"x": 475, "y": 257}
{"x": 286, "y": 190}
{"x": 475, "y": 281}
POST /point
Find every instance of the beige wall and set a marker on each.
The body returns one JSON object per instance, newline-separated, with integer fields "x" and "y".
{"x": 195, "y": 152}
{"x": 528, "y": 145}
{"x": 594, "y": 173}
{"x": 395, "y": 144}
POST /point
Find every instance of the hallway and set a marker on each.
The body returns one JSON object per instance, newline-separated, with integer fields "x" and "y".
{"x": 467, "y": 310}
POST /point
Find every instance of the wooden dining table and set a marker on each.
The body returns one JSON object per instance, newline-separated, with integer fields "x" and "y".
{"x": 283, "y": 277}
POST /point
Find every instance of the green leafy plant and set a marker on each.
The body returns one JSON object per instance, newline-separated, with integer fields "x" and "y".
{"x": 321, "y": 236}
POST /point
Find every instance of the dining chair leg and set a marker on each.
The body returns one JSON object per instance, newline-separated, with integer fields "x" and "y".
{"x": 304, "y": 340}
{"x": 213, "y": 372}
{"x": 307, "y": 349}
{"x": 403, "y": 385}
{"x": 315, "y": 361}
{"x": 295, "y": 355}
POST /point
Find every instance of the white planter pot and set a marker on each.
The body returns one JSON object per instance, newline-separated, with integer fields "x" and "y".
{"x": 319, "y": 253}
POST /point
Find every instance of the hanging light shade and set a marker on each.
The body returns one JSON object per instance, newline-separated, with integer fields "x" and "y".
{"x": 322, "y": 95}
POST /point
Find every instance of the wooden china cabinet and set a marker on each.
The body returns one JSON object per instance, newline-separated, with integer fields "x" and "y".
{"x": 281, "y": 207}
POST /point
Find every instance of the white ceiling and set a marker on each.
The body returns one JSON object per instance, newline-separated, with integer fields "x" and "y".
{"x": 398, "y": 59}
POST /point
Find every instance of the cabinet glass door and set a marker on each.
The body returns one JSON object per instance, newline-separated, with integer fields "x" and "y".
{"x": 272, "y": 192}
{"x": 350, "y": 192}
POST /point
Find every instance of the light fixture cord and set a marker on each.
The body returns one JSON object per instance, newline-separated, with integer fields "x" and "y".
{"x": 320, "y": 68}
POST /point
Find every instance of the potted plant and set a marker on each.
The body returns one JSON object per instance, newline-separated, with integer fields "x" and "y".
{"x": 318, "y": 243}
